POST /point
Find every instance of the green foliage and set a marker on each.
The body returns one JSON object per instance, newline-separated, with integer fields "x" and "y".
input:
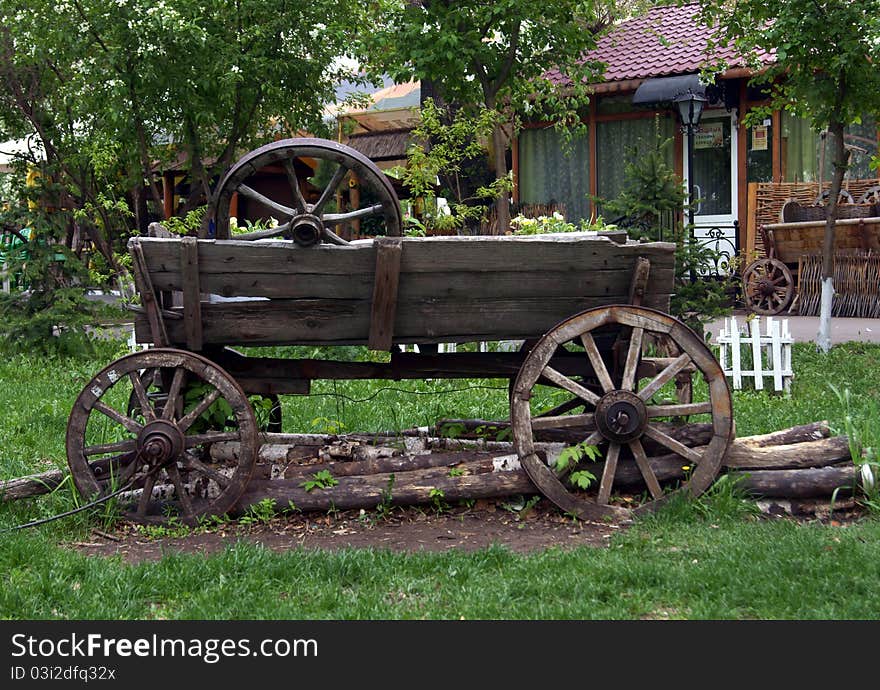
{"x": 49, "y": 312}
{"x": 863, "y": 435}
{"x": 260, "y": 513}
{"x": 496, "y": 56}
{"x": 320, "y": 480}
{"x": 438, "y": 501}
{"x": 444, "y": 146}
{"x": 114, "y": 87}
{"x": 572, "y": 455}
{"x": 187, "y": 224}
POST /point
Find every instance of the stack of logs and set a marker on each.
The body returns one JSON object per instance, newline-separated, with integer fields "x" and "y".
{"x": 796, "y": 470}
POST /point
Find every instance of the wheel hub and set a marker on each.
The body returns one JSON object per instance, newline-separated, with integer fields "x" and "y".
{"x": 307, "y": 230}
{"x": 160, "y": 442}
{"x": 766, "y": 287}
{"x": 621, "y": 416}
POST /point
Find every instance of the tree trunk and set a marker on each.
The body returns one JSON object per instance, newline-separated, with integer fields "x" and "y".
{"x": 840, "y": 164}
{"x": 502, "y": 204}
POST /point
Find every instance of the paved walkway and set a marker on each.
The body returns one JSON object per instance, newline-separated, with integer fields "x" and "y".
{"x": 804, "y": 328}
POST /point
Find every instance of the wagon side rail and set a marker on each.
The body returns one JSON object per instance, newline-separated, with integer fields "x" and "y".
{"x": 451, "y": 289}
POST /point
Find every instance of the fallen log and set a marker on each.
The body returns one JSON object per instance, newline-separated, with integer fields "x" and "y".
{"x": 31, "y": 485}
{"x": 398, "y": 463}
{"x": 802, "y": 483}
{"x": 742, "y": 454}
{"x": 404, "y": 488}
{"x": 796, "y": 434}
{"x": 826, "y": 451}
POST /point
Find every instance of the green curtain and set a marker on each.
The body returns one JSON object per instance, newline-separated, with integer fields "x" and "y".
{"x": 803, "y": 149}
{"x": 551, "y": 173}
{"x": 618, "y": 141}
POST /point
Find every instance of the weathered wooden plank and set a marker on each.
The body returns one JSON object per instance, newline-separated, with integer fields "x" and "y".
{"x": 192, "y": 312}
{"x": 529, "y": 281}
{"x": 483, "y": 254}
{"x": 383, "y": 307}
{"x": 157, "y": 333}
{"x": 348, "y": 321}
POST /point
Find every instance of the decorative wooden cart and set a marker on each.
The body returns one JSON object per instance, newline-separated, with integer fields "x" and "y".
{"x": 789, "y": 275}
{"x": 598, "y": 363}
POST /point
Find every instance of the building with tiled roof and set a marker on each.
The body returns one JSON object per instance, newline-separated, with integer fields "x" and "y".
{"x": 650, "y": 60}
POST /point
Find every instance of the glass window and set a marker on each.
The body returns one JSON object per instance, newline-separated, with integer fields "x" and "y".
{"x": 551, "y": 173}
{"x": 759, "y": 152}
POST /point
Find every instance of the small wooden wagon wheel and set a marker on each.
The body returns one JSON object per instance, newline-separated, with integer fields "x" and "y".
{"x": 306, "y": 223}
{"x": 160, "y": 448}
{"x": 768, "y": 286}
{"x": 626, "y": 421}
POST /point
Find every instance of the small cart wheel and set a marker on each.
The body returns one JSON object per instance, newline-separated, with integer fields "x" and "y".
{"x": 628, "y": 422}
{"x": 157, "y": 452}
{"x": 306, "y": 223}
{"x": 768, "y": 286}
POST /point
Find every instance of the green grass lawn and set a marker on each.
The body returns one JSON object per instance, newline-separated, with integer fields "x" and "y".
{"x": 707, "y": 560}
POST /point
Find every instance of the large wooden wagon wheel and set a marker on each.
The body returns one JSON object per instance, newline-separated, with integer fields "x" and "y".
{"x": 768, "y": 286}
{"x": 306, "y": 223}
{"x": 158, "y": 451}
{"x": 628, "y": 421}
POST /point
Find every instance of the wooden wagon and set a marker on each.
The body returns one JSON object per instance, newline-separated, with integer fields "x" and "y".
{"x": 789, "y": 276}
{"x": 597, "y": 366}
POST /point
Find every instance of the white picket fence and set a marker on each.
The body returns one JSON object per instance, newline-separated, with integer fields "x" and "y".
{"x": 771, "y": 352}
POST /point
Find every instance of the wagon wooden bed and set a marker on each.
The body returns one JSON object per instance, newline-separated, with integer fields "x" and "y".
{"x": 589, "y": 308}
{"x": 789, "y": 275}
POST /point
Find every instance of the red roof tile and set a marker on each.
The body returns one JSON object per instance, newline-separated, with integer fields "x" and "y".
{"x": 664, "y": 41}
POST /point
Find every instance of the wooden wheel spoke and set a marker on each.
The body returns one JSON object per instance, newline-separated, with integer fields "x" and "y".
{"x": 187, "y": 421}
{"x": 563, "y": 421}
{"x": 330, "y": 189}
{"x": 129, "y": 424}
{"x": 214, "y": 437}
{"x": 266, "y": 201}
{"x": 679, "y": 410}
{"x": 675, "y": 367}
{"x": 207, "y": 471}
{"x": 173, "y": 393}
{"x": 650, "y": 478}
{"x": 633, "y": 355}
{"x": 126, "y": 446}
{"x": 608, "y": 473}
{"x": 675, "y": 446}
{"x": 146, "y": 494}
{"x": 293, "y": 180}
{"x": 571, "y": 386}
{"x": 180, "y": 489}
{"x": 336, "y": 218}
{"x": 141, "y": 395}
{"x": 597, "y": 362}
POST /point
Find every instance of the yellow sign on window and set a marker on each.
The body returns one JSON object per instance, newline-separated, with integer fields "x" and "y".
{"x": 759, "y": 138}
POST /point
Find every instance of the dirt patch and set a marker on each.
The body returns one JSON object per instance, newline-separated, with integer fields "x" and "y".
{"x": 405, "y": 530}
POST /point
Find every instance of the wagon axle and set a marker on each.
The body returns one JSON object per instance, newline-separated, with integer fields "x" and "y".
{"x": 160, "y": 442}
{"x": 621, "y": 416}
